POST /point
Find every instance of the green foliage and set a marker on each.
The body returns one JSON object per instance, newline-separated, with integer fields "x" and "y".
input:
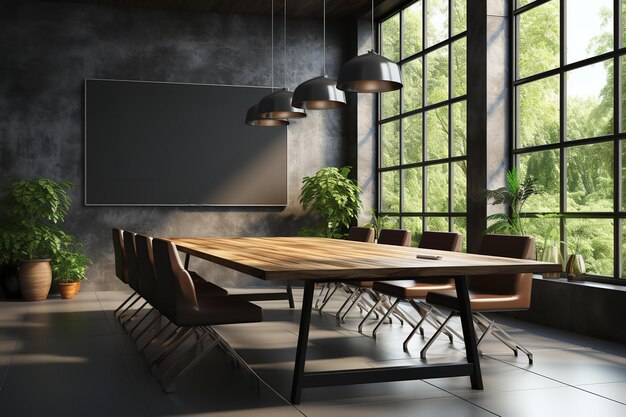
{"x": 377, "y": 222}
{"x": 334, "y": 197}
{"x": 514, "y": 195}
{"x": 70, "y": 264}
{"x": 30, "y": 210}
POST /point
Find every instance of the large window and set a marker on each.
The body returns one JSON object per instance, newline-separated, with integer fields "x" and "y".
{"x": 422, "y": 168}
{"x": 568, "y": 125}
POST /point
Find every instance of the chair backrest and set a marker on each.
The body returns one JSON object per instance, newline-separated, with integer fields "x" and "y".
{"x": 118, "y": 252}
{"x": 449, "y": 241}
{"x": 147, "y": 277}
{"x": 520, "y": 247}
{"x": 176, "y": 291}
{"x": 361, "y": 234}
{"x": 130, "y": 255}
{"x": 396, "y": 237}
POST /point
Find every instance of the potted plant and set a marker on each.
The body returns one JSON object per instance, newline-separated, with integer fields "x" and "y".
{"x": 30, "y": 209}
{"x": 334, "y": 197}
{"x": 69, "y": 268}
{"x": 514, "y": 194}
{"x": 376, "y": 223}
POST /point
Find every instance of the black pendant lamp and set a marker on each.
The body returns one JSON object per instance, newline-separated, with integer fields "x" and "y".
{"x": 278, "y": 104}
{"x": 253, "y": 118}
{"x": 319, "y": 93}
{"x": 370, "y": 72}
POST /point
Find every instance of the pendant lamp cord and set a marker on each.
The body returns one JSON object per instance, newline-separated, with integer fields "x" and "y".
{"x": 324, "y": 28}
{"x": 373, "y": 42}
{"x": 285, "y": 43}
{"x": 272, "y": 64}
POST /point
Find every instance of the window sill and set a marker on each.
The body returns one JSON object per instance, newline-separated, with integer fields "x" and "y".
{"x": 583, "y": 283}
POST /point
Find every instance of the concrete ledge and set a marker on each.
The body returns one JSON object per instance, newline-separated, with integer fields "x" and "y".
{"x": 587, "y": 308}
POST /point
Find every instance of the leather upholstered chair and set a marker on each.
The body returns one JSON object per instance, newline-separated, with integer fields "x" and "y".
{"x": 414, "y": 291}
{"x": 121, "y": 269}
{"x": 493, "y": 293}
{"x": 192, "y": 315}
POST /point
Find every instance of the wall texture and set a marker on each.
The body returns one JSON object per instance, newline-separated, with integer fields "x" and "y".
{"x": 47, "y": 49}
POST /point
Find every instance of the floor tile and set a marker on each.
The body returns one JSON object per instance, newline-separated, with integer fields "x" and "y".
{"x": 89, "y": 387}
{"x": 614, "y": 390}
{"x": 433, "y": 407}
{"x": 566, "y": 401}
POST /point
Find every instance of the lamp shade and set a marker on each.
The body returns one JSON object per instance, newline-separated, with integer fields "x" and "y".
{"x": 253, "y": 118}
{"x": 369, "y": 73}
{"x": 278, "y": 106}
{"x": 318, "y": 93}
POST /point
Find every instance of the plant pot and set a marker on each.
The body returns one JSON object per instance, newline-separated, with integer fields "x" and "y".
{"x": 575, "y": 267}
{"x": 35, "y": 279}
{"x": 77, "y": 287}
{"x": 67, "y": 290}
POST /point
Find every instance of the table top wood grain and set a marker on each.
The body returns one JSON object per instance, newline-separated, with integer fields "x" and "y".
{"x": 304, "y": 258}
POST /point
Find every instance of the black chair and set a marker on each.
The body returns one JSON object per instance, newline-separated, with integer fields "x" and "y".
{"x": 190, "y": 314}
{"x": 121, "y": 270}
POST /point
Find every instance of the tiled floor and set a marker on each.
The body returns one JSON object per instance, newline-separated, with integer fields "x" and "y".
{"x": 72, "y": 358}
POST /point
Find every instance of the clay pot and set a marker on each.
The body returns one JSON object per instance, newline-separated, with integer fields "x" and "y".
{"x": 35, "y": 279}
{"x": 77, "y": 287}
{"x": 67, "y": 290}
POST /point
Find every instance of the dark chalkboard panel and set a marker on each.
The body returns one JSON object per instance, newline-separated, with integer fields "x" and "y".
{"x": 154, "y": 143}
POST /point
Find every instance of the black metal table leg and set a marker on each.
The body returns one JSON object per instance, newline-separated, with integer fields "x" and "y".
{"x": 187, "y": 256}
{"x": 290, "y": 294}
{"x": 469, "y": 334}
{"x": 303, "y": 339}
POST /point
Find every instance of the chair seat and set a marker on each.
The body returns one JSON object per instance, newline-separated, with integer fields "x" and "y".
{"x": 218, "y": 310}
{"x": 412, "y": 289}
{"x": 478, "y": 301}
{"x": 205, "y": 288}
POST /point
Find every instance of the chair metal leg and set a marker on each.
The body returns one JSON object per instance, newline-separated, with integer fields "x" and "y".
{"x": 125, "y": 301}
{"x": 153, "y": 338}
{"x": 418, "y": 326}
{"x": 140, "y": 321}
{"x": 325, "y": 286}
{"x": 170, "y": 348}
{"x": 437, "y": 333}
{"x": 158, "y": 317}
{"x": 391, "y": 309}
{"x": 345, "y": 303}
{"x": 134, "y": 314}
{"x": 374, "y": 307}
{"x": 359, "y": 294}
{"x": 328, "y": 299}
{"x": 138, "y": 297}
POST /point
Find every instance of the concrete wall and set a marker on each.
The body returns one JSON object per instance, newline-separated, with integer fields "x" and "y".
{"x": 48, "y": 48}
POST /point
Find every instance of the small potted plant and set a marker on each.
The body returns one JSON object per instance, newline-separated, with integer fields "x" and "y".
{"x": 69, "y": 268}
{"x": 376, "y": 223}
{"x": 334, "y": 197}
{"x": 30, "y": 210}
{"x": 514, "y": 194}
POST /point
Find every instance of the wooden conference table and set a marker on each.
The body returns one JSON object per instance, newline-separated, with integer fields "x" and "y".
{"x": 314, "y": 260}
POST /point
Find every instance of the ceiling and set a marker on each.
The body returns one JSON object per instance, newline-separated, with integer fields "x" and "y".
{"x": 299, "y": 8}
